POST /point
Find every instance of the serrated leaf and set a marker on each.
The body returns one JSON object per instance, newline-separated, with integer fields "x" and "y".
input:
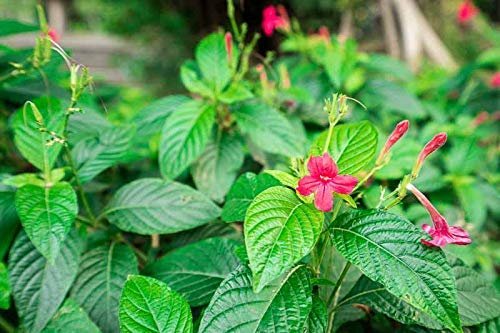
{"x": 71, "y": 318}
{"x": 243, "y": 191}
{"x": 95, "y": 154}
{"x": 282, "y": 306}
{"x": 279, "y": 230}
{"x": 4, "y": 287}
{"x": 212, "y": 59}
{"x": 268, "y": 129}
{"x": 150, "y": 119}
{"x": 352, "y": 146}
{"x": 47, "y": 214}
{"x": 284, "y": 178}
{"x": 387, "y": 249}
{"x": 184, "y": 136}
{"x": 102, "y": 274}
{"x": 193, "y": 81}
{"x": 149, "y": 305}
{"x": 39, "y": 287}
{"x": 317, "y": 320}
{"x": 155, "y": 206}
{"x": 31, "y": 142}
{"x": 196, "y": 270}
{"x": 216, "y": 169}
{"x": 492, "y": 326}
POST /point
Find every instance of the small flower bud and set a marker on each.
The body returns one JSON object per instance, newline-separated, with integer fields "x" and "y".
{"x": 263, "y": 75}
{"x": 495, "y": 80}
{"x": 398, "y": 132}
{"x": 54, "y": 35}
{"x": 437, "y": 141}
{"x": 228, "y": 38}
{"x": 324, "y": 33}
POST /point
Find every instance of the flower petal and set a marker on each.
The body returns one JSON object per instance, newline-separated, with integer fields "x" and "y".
{"x": 322, "y": 166}
{"x": 307, "y": 185}
{"x": 323, "y": 198}
{"x": 459, "y": 236}
{"x": 343, "y": 184}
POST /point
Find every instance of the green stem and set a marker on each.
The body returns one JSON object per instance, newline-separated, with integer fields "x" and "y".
{"x": 329, "y": 137}
{"x": 7, "y": 327}
{"x": 334, "y": 296}
{"x": 139, "y": 253}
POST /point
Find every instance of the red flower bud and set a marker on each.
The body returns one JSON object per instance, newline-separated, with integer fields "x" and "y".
{"x": 466, "y": 12}
{"x": 54, "y": 35}
{"x": 437, "y": 141}
{"x": 495, "y": 80}
{"x": 228, "y": 38}
{"x": 398, "y": 132}
{"x": 324, "y": 33}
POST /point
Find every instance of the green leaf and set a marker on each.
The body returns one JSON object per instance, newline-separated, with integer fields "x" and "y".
{"x": 352, "y": 146}
{"x": 10, "y": 27}
{"x": 95, "y": 154}
{"x": 385, "y": 65}
{"x": 9, "y": 222}
{"x": 47, "y": 214}
{"x": 317, "y": 320}
{"x": 155, "y": 206}
{"x": 212, "y": 59}
{"x": 30, "y": 141}
{"x": 280, "y": 230}
{"x": 492, "y": 326}
{"x": 22, "y": 179}
{"x": 4, "y": 287}
{"x": 387, "y": 249}
{"x": 236, "y": 92}
{"x": 39, "y": 287}
{"x": 284, "y": 178}
{"x": 243, "y": 191}
{"x": 216, "y": 169}
{"x": 268, "y": 129}
{"x": 71, "y": 318}
{"x": 184, "y": 136}
{"x": 150, "y": 120}
{"x": 103, "y": 272}
{"x": 465, "y": 156}
{"x": 472, "y": 200}
{"x": 148, "y": 305}
{"x": 196, "y": 270}
{"x": 283, "y": 306}
{"x": 192, "y": 80}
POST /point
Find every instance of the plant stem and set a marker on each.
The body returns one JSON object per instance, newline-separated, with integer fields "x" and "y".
{"x": 330, "y": 133}
{"x": 6, "y": 326}
{"x": 334, "y": 295}
{"x": 139, "y": 253}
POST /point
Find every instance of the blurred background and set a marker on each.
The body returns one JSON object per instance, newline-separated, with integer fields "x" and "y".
{"x": 142, "y": 43}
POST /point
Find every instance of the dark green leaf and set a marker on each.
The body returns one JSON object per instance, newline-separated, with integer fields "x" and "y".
{"x": 280, "y": 230}
{"x": 155, "y": 206}
{"x": 102, "y": 274}
{"x": 243, "y": 191}
{"x": 317, "y": 320}
{"x": 4, "y": 287}
{"x": 10, "y": 27}
{"x": 148, "y": 305}
{"x": 282, "y": 306}
{"x": 71, "y": 318}
{"x": 8, "y": 220}
{"x": 196, "y": 270}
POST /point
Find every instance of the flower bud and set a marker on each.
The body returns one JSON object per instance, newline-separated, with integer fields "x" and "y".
{"x": 495, "y": 80}
{"x": 398, "y": 132}
{"x": 324, "y": 33}
{"x": 228, "y": 38}
{"x": 437, "y": 141}
{"x": 263, "y": 75}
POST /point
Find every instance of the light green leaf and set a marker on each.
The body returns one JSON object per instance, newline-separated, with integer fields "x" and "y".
{"x": 30, "y": 141}
{"x": 317, "y": 320}
{"x": 283, "y": 306}
{"x": 192, "y": 80}
{"x": 4, "y": 287}
{"x": 102, "y": 274}
{"x": 184, "y": 136}
{"x": 216, "y": 169}
{"x": 196, "y": 270}
{"x": 155, "y": 206}
{"x": 150, "y": 120}
{"x": 212, "y": 59}
{"x": 39, "y": 287}
{"x": 268, "y": 129}
{"x": 352, "y": 146}
{"x": 280, "y": 230}
{"x": 95, "y": 154}
{"x": 243, "y": 191}
{"x": 388, "y": 66}
{"x": 387, "y": 249}
{"x": 284, "y": 178}
{"x": 465, "y": 156}
{"x": 236, "y": 92}
{"x": 148, "y": 305}
{"x": 23, "y": 179}
{"x": 47, "y": 214}
{"x": 472, "y": 200}
{"x": 71, "y": 318}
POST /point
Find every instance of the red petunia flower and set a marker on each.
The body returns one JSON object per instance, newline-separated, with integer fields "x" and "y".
{"x": 466, "y": 12}
{"x": 441, "y": 233}
{"x": 323, "y": 180}
{"x": 274, "y": 18}
{"x": 495, "y": 80}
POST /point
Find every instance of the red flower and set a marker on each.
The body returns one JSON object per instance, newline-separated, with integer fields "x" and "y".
{"x": 495, "y": 80}
{"x": 228, "y": 39}
{"x": 54, "y": 35}
{"x": 398, "y": 132}
{"x": 441, "y": 233}
{"x": 324, "y": 179}
{"x": 466, "y": 12}
{"x": 274, "y": 18}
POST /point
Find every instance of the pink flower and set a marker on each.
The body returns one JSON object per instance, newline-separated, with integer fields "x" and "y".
{"x": 324, "y": 33}
{"x": 441, "y": 233}
{"x": 54, "y": 35}
{"x": 398, "y": 132}
{"x": 274, "y": 18}
{"x": 466, "y": 12}
{"x": 495, "y": 80}
{"x": 323, "y": 181}
{"x": 228, "y": 39}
